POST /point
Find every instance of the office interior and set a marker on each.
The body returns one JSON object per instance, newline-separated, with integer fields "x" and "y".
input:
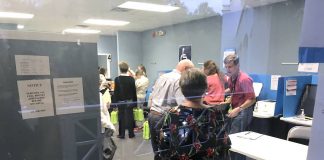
{"x": 266, "y": 35}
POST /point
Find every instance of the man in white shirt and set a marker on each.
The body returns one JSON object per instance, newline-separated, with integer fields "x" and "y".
{"x": 165, "y": 95}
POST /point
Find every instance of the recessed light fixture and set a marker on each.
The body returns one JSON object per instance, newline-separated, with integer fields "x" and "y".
{"x": 106, "y": 22}
{"x": 20, "y": 26}
{"x": 81, "y": 31}
{"x": 16, "y": 15}
{"x": 147, "y": 6}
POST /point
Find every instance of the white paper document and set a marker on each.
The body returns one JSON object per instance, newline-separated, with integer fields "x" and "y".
{"x": 250, "y": 135}
{"x": 308, "y": 67}
{"x": 291, "y": 87}
{"x": 257, "y": 87}
{"x": 32, "y": 65}
{"x": 274, "y": 82}
{"x": 35, "y": 98}
{"x": 68, "y": 95}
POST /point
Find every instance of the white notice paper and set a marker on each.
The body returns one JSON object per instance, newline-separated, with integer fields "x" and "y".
{"x": 68, "y": 95}
{"x": 291, "y": 87}
{"x": 250, "y": 135}
{"x": 274, "y": 82}
{"x": 308, "y": 67}
{"x": 35, "y": 98}
{"x": 32, "y": 65}
{"x": 257, "y": 88}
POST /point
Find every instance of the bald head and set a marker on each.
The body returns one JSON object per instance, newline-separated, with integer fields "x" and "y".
{"x": 184, "y": 65}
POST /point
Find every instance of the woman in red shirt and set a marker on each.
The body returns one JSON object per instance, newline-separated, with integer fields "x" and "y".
{"x": 215, "y": 79}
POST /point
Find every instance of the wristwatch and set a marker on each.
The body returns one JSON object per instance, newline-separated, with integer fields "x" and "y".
{"x": 241, "y": 108}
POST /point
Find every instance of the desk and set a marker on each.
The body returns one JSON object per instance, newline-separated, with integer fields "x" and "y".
{"x": 298, "y": 121}
{"x": 261, "y": 115}
{"x": 267, "y": 148}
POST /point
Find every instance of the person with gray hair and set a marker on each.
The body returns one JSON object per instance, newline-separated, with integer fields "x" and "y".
{"x": 125, "y": 96}
{"x": 166, "y": 94}
{"x": 242, "y": 96}
{"x": 185, "y": 124}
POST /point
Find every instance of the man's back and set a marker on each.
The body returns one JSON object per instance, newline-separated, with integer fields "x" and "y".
{"x": 166, "y": 92}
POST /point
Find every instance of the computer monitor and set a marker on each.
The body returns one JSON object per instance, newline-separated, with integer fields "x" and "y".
{"x": 307, "y": 101}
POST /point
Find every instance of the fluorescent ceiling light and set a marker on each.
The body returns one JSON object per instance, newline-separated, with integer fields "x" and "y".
{"x": 106, "y": 22}
{"x": 16, "y": 15}
{"x": 81, "y": 31}
{"x": 20, "y": 26}
{"x": 147, "y": 6}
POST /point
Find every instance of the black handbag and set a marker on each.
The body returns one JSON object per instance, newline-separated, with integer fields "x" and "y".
{"x": 108, "y": 144}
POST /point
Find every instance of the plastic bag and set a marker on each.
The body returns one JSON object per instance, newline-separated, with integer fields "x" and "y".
{"x": 135, "y": 112}
{"x": 114, "y": 117}
{"x": 140, "y": 115}
{"x": 146, "y": 131}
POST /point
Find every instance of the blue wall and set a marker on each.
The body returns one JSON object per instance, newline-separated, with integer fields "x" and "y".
{"x": 108, "y": 44}
{"x": 312, "y": 46}
{"x": 313, "y": 21}
{"x": 161, "y": 53}
{"x": 129, "y": 47}
{"x": 285, "y": 36}
{"x": 266, "y": 36}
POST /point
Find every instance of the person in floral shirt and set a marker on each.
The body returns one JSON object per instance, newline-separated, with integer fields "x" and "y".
{"x": 194, "y": 130}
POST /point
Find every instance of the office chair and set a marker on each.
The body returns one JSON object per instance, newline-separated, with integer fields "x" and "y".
{"x": 300, "y": 132}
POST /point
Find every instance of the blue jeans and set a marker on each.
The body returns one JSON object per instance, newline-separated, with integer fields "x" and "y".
{"x": 241, "y": 122}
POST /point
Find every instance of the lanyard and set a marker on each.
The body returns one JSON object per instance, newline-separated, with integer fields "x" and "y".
{"x": 233, "y": 84}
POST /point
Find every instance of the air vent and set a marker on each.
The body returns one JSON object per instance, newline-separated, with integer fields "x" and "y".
{"x": 81, "y": 26}
{"x": 117, "y": 9}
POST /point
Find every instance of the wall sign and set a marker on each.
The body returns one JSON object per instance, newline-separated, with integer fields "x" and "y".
{"x": 185, "y": 52}
{"x": 35, "y": 98}
{"x": 68, "y": 95}
{"x": 32, "y": 65}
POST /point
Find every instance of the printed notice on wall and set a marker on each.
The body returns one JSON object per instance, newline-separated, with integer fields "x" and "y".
{"x": 308, "y": 67}
{"x": 68, "y": 95}
{"x": 184, "y": 52}
{"x": 274, "y": 82}
{"x": 32, "y": 65}
{"x": 291, "y": 87}
{"x": 35, "y": 98}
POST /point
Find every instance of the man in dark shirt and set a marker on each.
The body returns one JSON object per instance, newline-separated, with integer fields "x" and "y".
{"x": 125, "y": 96}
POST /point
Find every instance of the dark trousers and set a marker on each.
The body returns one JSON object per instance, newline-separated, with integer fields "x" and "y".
{"x": 155, "y": 127}
{"x": 126, "y": 120}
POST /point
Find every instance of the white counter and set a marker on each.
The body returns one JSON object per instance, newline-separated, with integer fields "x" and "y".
{"x": 298, "y": 121}
{"x": 258, "y": 146}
